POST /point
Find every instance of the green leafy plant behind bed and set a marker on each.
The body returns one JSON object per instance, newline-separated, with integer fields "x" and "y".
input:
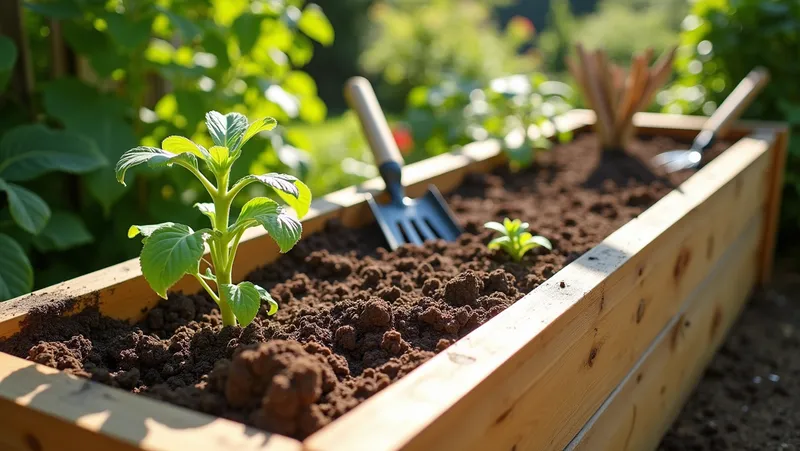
{"x": 515, "y": 239}
{"x": 172, "y": 250}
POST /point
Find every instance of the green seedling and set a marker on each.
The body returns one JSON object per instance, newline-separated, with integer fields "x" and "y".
{"x": 515, "y": 239}
{"x": 171, "y": 250}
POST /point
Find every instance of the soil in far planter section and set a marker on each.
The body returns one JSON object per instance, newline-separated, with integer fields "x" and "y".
{"x": 748, "y": 398}
{"x": 354, "y": 317}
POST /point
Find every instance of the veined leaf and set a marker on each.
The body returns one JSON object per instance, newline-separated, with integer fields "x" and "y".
{"x": 243, "y": 299}
{"x": 208, "y": 209}
{"x": 29, "y": 151}
{"x": 284, "y": 229}
{"x": 153, "y": 156}
{"x": 147, "y": 230}
{"x": 63, "y": 231}
{"x": 228, "y": 130}
{"x": 261, "y": 125}
{"x": 180, "y": 144}
{"x": 16, "y": 273}
{"x": 169, "y": 253}
{"x": 291, "y": 190}
{"x": 28, "y": 210}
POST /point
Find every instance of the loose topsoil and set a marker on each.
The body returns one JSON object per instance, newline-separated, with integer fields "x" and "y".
{"x": 748, "y": 397}
{"x": 354, "y": 317}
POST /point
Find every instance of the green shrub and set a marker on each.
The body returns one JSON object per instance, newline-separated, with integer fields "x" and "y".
{"x": 415, "y": 43}
{"x": 227, "y": 55}
{"x": 721, "y": 42}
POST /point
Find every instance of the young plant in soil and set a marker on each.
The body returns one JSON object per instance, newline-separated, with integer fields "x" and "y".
{"x": 171, "y": 250}
{"x": 515, "y": 239}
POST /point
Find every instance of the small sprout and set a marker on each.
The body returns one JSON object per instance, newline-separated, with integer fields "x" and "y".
{"x": 515, "y": 239}
{"x": 172, "y": 250}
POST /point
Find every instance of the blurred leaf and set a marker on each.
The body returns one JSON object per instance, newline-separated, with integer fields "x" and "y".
{"x": 312, "y": 110}
{"x": 29, "y": 151}
{"x": 16, "y": 273}
{"x": 8, "y": 57}
{"x": 315, "y": 25}
{"x": 99, "y": 118}
{"x": 302, "y": 50}
{"x": 28, "y": 210}
{"x": 128, "y": 32}
{"x": 63, "y": 231}
{"x": 57, "y": 9}
{"x": 247, "y": 28}
{"x": 187, "y": 29}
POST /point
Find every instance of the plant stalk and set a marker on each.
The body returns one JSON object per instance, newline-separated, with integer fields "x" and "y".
{"x": 222, "y": 207}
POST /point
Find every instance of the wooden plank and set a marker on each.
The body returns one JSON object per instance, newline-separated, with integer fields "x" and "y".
{"x": 773, "y": 210}
{"x": 644, "y": 405}
{"x": 488, "y": 390}
{"x": 47, "y": 410}
{"x": 120, "y": 291}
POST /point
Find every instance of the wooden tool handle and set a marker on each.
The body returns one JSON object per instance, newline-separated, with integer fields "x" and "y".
{"x": 361, "y": 98}
{"x": 737, "y": 101}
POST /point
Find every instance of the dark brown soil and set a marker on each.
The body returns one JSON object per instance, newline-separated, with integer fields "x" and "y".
{"x": 354, "y": 317}
{"x": 748, "y": 398}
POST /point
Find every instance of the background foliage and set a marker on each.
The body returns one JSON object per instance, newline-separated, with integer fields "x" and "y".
{"x": 135, "y": 73}
{"x": 722, "y": 40}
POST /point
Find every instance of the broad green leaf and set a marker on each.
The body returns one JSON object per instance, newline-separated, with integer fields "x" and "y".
{"x": 28, "y": 210}
{"x": 228, "y": 130}
{"x": 128, "y": 31}
{"x": 284, "y": 229}
{"x": 179, "y": 144}
{"x": 99, "y": 118}
{"x": 219, "y": 157}
{"x": 261, "y": 125}
{"x": 147, "y": 230}
{"x": 57, "y": 9}
{"x": 208, "y": 209}
{"x": 63, "y": 231}
{"x": 291, "y": 190}
{"x": 29, "y": 151}
{"x": 8, "y": 57}
{"x": 244, "y": 299}
{"x": 266, "y": 297}
{"x": 169, "y": 253}
{"x": 16, "y": 273}
{"x": 315, "y": 25}
{"x": 153, "y": 156}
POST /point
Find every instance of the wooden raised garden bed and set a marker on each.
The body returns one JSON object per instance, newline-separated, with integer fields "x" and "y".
{"x": 600, "y": 356}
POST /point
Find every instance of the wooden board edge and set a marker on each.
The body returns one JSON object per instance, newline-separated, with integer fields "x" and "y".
{"x": 482, "y": 353}
{"x": 100, "y": 415}
{"x": 773, "y": 209}
{"x": 639, "y": 411}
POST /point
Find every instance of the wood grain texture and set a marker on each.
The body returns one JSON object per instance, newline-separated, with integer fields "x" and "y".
{"x": 47, "y": 410}
{"x": 773, "y": 210}
{"x": 503, "y": 386}
{"x": 641, "y": 409}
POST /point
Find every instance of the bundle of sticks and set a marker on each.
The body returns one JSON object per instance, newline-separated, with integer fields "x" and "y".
{"x": 616, "y": 94}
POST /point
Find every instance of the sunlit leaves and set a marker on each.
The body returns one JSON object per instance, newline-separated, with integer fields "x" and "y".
{"x": 245, "y": 300}
{"x": 169, "y": 253}
{"x": 153, "y": 156}
{"x": 291, "y": 190}
{"x": 515, "y": 239}
{"x": 261, "y": 125}
{"x": 147, "y": 230}
{"x": 208, "y": 209}
{"x": 228, "y": 130}
{"x": 16, "y": 273}
{"x": 284, "y": 229}
{"x": 179, "y": 144}
{"x": 315, "y": 25}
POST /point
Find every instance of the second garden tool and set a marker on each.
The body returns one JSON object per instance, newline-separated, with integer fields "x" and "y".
{"x": 729, "y": 111}
{"x": 402, "y": 220}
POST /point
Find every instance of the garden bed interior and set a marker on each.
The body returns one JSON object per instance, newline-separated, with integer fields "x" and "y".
{"x": 542, "y": 354}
